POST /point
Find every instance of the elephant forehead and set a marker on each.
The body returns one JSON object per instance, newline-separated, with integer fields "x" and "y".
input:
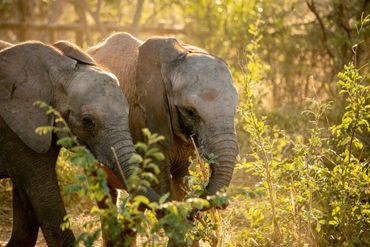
{"x": 202, "y": 72}
{"x": 96, "y": 86}
{"x": 207, "y": 66}
{"x": 206, "y": 104}
{"x": 105, "y": 108}
{"x": 210, "y": 94}
{"x": 91, "y": 81}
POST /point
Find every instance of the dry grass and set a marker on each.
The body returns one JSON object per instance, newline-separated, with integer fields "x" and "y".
{"x": 79, "y": 215}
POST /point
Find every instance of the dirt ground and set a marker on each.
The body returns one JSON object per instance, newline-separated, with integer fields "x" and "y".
{"x": 6, "y": 228}
{"x": 77, "y": 219}
{"x": 80, "y": 214}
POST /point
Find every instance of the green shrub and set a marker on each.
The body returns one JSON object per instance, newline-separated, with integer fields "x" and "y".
{"x": 317, "y": 181}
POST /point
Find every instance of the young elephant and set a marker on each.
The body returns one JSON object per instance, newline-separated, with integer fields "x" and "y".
{"x": 95, "y": 109}
{"x": 177, "y": 91}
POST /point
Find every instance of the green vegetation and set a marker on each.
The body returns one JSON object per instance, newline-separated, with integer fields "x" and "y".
{"x": 302, "y": 72}
{"x": 315, "y": 184}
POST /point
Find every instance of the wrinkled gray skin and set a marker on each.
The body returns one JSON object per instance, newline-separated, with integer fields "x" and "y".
{"x": 95, "y": 110}
{"x": 177, "y": 91}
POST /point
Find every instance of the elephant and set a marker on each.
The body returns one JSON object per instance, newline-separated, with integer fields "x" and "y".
{"x": 180, "y": 92}
{"x": 95, "y": 109}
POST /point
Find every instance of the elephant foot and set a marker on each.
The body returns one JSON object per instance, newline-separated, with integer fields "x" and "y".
{"x": 56, "y": 237}
{"x": 13, "y": 242}
{"x": 25, "y": 225}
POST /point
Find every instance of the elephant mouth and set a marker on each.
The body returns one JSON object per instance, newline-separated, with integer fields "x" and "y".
{"x": 203, "y": 151}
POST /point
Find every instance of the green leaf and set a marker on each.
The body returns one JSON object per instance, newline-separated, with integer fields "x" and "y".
{"x": 66, "y": 142}
{"x": 135, "y": 158}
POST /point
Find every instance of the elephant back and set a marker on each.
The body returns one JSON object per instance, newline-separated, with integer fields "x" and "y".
{"x": 119, "y": 53}
{"x": 4, "y": 44}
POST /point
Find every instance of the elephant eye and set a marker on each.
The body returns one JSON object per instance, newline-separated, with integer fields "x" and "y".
{"x": 188, "y": 118}
{"x": 87, "y": 122}
{"x": 190, "y": 112}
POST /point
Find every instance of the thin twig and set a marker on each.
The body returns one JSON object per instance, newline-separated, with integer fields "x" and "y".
{"x": 119, "y": 168}
{"x": 215, "y": 220}
{"x": 200, "y": 160}
{"x": 204, "y": 224}
{"x": 196, "y": 149}
{"x": 311, "y": 5}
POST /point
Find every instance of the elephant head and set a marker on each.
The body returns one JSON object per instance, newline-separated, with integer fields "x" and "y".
{"x": 190, "y": 93}
{"x": 68, "y": 79}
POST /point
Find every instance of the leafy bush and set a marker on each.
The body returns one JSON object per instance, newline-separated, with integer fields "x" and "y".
{"x": 317, "y": 183}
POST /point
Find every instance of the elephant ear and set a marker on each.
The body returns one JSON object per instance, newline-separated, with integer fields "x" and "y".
{"x": 154, "y": 90}
{"x": 25, "y": 78}
{"x": 74, "y": 52}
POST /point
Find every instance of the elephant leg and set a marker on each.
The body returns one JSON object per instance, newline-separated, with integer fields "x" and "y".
{"x": 39, "y": 183}
{"x": 49, "y": 197}
{"x": 164, "y": 178}
{"x": 179, "y": 183}
{"x": 178, "y": 188}
{"x": 25, "y": 225}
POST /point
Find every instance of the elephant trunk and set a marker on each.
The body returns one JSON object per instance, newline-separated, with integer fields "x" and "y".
{"x": 225, "y": 148}
{"x": 123, "y": 147}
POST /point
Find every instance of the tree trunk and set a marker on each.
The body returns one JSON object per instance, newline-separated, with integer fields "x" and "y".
{"x": 137, "y": 17}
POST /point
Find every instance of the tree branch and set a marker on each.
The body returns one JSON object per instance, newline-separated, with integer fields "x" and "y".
{"x": 137, "y": 17}
{"x": 311, "y": 5}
